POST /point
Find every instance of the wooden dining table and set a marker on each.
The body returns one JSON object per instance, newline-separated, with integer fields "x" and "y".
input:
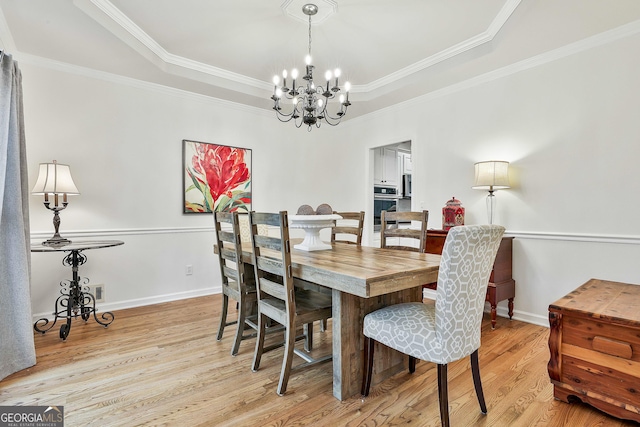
{"x": 362, "y": 279}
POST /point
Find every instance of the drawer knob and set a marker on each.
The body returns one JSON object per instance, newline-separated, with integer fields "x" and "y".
{"x": 612, "y": 347}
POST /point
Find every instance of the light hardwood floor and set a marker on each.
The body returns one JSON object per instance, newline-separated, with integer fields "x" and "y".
{"x": 161, "y": 365}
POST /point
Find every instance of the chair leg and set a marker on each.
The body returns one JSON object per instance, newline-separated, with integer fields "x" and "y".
{"x": 323, "y": 325}
{"x": 412, "y": 364}
{"x": 257, "y": 355}
{"x": 443, "y": 395}
{"x": 289, "y": 344}
{"x": 477, "y": 382}
{"x": 242, "y": 315}
{"x": 223, "y": 316}
{"x": 308, "y": 336}
{"x": 367, "y": 368}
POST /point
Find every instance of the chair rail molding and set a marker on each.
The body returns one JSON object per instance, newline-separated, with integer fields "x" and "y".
{"x": 125, "y": 232}
{"x": 575, "y": 237}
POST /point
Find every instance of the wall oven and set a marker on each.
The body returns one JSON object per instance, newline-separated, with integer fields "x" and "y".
{"x": 384, "y": 199}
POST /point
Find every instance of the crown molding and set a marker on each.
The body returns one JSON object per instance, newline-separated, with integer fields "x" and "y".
{"x": 624, "y": 31}
{"x": 109, "y": 16}
{"x": 455, "y": 50}
{"x": 139, "y": 84}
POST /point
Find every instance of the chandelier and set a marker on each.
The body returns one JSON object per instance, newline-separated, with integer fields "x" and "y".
{"x": 309, "y": 102}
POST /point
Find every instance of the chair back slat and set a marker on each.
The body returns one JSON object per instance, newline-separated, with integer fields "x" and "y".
{"x": 270, "y": 265}
{"x": 272, "y": 259}
{"x": 350, "y": 225}
{"x": 467, "y": 259}
{"x": 228, "y": 254}
{"x": 395, "y": 230}
{"x": 227, "y": 236}
{"x": 268, "y": 242}
{"x": 272, "y": 288}
{"x": 231, "y": 273}
{"x": 230, "y": 251}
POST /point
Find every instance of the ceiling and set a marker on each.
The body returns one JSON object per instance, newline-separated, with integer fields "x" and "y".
{"x": 390, "y": 51}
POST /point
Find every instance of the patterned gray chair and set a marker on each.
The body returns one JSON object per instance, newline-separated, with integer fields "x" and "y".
{"x": 449, "y": 329}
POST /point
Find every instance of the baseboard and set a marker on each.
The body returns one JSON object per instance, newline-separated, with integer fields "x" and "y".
{"x": 140, "y": 302}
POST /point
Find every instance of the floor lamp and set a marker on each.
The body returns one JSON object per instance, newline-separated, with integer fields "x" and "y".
{"x": 491, "y": 175}
{"x": 55, "y": 179}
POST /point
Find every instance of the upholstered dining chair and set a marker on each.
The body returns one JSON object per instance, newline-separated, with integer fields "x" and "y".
{"x": 349, "y": 228}
{"x": 393, "y": 235}
{"x": 449, "y": 329}
{"x": 236, "y": 284}
{"x": 278, "y": 298}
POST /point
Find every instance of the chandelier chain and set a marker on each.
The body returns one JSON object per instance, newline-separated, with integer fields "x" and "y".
{"x": 309, "y": 35}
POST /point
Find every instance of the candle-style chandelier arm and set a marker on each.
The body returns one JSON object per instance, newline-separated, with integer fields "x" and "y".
{"x": 310, "y": 101}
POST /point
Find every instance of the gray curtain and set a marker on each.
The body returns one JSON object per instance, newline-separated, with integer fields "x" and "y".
{"x": 17, "y": 350}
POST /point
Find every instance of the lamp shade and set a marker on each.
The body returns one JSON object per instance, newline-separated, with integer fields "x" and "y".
{"x": 492, "y": 175}
{"x": 54, "y": 178}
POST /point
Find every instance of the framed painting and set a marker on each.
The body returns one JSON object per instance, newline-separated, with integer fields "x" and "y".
{"x": 215, "y": 178}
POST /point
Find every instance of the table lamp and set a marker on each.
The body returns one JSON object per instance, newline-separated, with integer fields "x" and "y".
{"x": 491, "y": 175}
{"x": 55, "y": 179}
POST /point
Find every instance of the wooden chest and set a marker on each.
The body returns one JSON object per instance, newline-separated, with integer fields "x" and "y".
{"x": 501, "y": 284}
{"x": 594, "y": 344}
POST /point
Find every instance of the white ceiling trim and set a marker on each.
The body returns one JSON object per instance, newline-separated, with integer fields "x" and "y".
{"x": 455, "y": 50}
{"x": 138, "y": 84}
{"x": 107, "y": 14}
{"x": 609, "y": 36}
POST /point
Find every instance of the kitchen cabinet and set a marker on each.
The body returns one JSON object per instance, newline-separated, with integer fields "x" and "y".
{"x": 385, "y": 167}
{"x": 407, "y": 168}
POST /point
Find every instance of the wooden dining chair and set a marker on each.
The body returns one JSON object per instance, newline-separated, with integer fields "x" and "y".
{"x": 449, "y": 329}
{"x": 236, "y": 283}
{"x": 349, "y": 228}
{"x": 395, "y": 230}
{"x": 278, "y": 298}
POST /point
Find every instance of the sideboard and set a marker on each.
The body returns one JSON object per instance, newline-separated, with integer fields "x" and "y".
{"x": 501, "y": 284}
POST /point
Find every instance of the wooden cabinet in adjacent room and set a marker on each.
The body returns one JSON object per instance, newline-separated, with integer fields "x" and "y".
{"x": 501, "y": 284}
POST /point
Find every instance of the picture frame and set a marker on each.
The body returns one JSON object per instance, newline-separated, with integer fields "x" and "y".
{"x": 215, "y": 177}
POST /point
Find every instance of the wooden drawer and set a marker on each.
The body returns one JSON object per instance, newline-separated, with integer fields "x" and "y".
{"x": 602, "y": 375}
{"x": 603, "y": 337}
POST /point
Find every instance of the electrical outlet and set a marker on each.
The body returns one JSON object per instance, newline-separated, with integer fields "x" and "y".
{"x": 97, "y": 291}
{"x": 189, "y": 270}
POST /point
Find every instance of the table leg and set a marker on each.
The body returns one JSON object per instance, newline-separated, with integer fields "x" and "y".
{"x": 73, "y": 301}
{"x": 348, "y": 341}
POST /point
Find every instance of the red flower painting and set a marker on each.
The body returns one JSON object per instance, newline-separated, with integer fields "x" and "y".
{"x": 217, "y": 178}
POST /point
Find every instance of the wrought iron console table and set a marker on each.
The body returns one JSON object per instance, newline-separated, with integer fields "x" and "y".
{"x": 75, "y": 298}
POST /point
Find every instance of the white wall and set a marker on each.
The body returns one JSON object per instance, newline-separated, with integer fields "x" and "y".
{"x": 567, "y": 123}
{"x": 123, "y": 141}
{"x": 569, "y": 127}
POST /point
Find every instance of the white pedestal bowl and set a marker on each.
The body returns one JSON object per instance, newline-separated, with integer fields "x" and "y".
{"x": 312, "y": 224}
